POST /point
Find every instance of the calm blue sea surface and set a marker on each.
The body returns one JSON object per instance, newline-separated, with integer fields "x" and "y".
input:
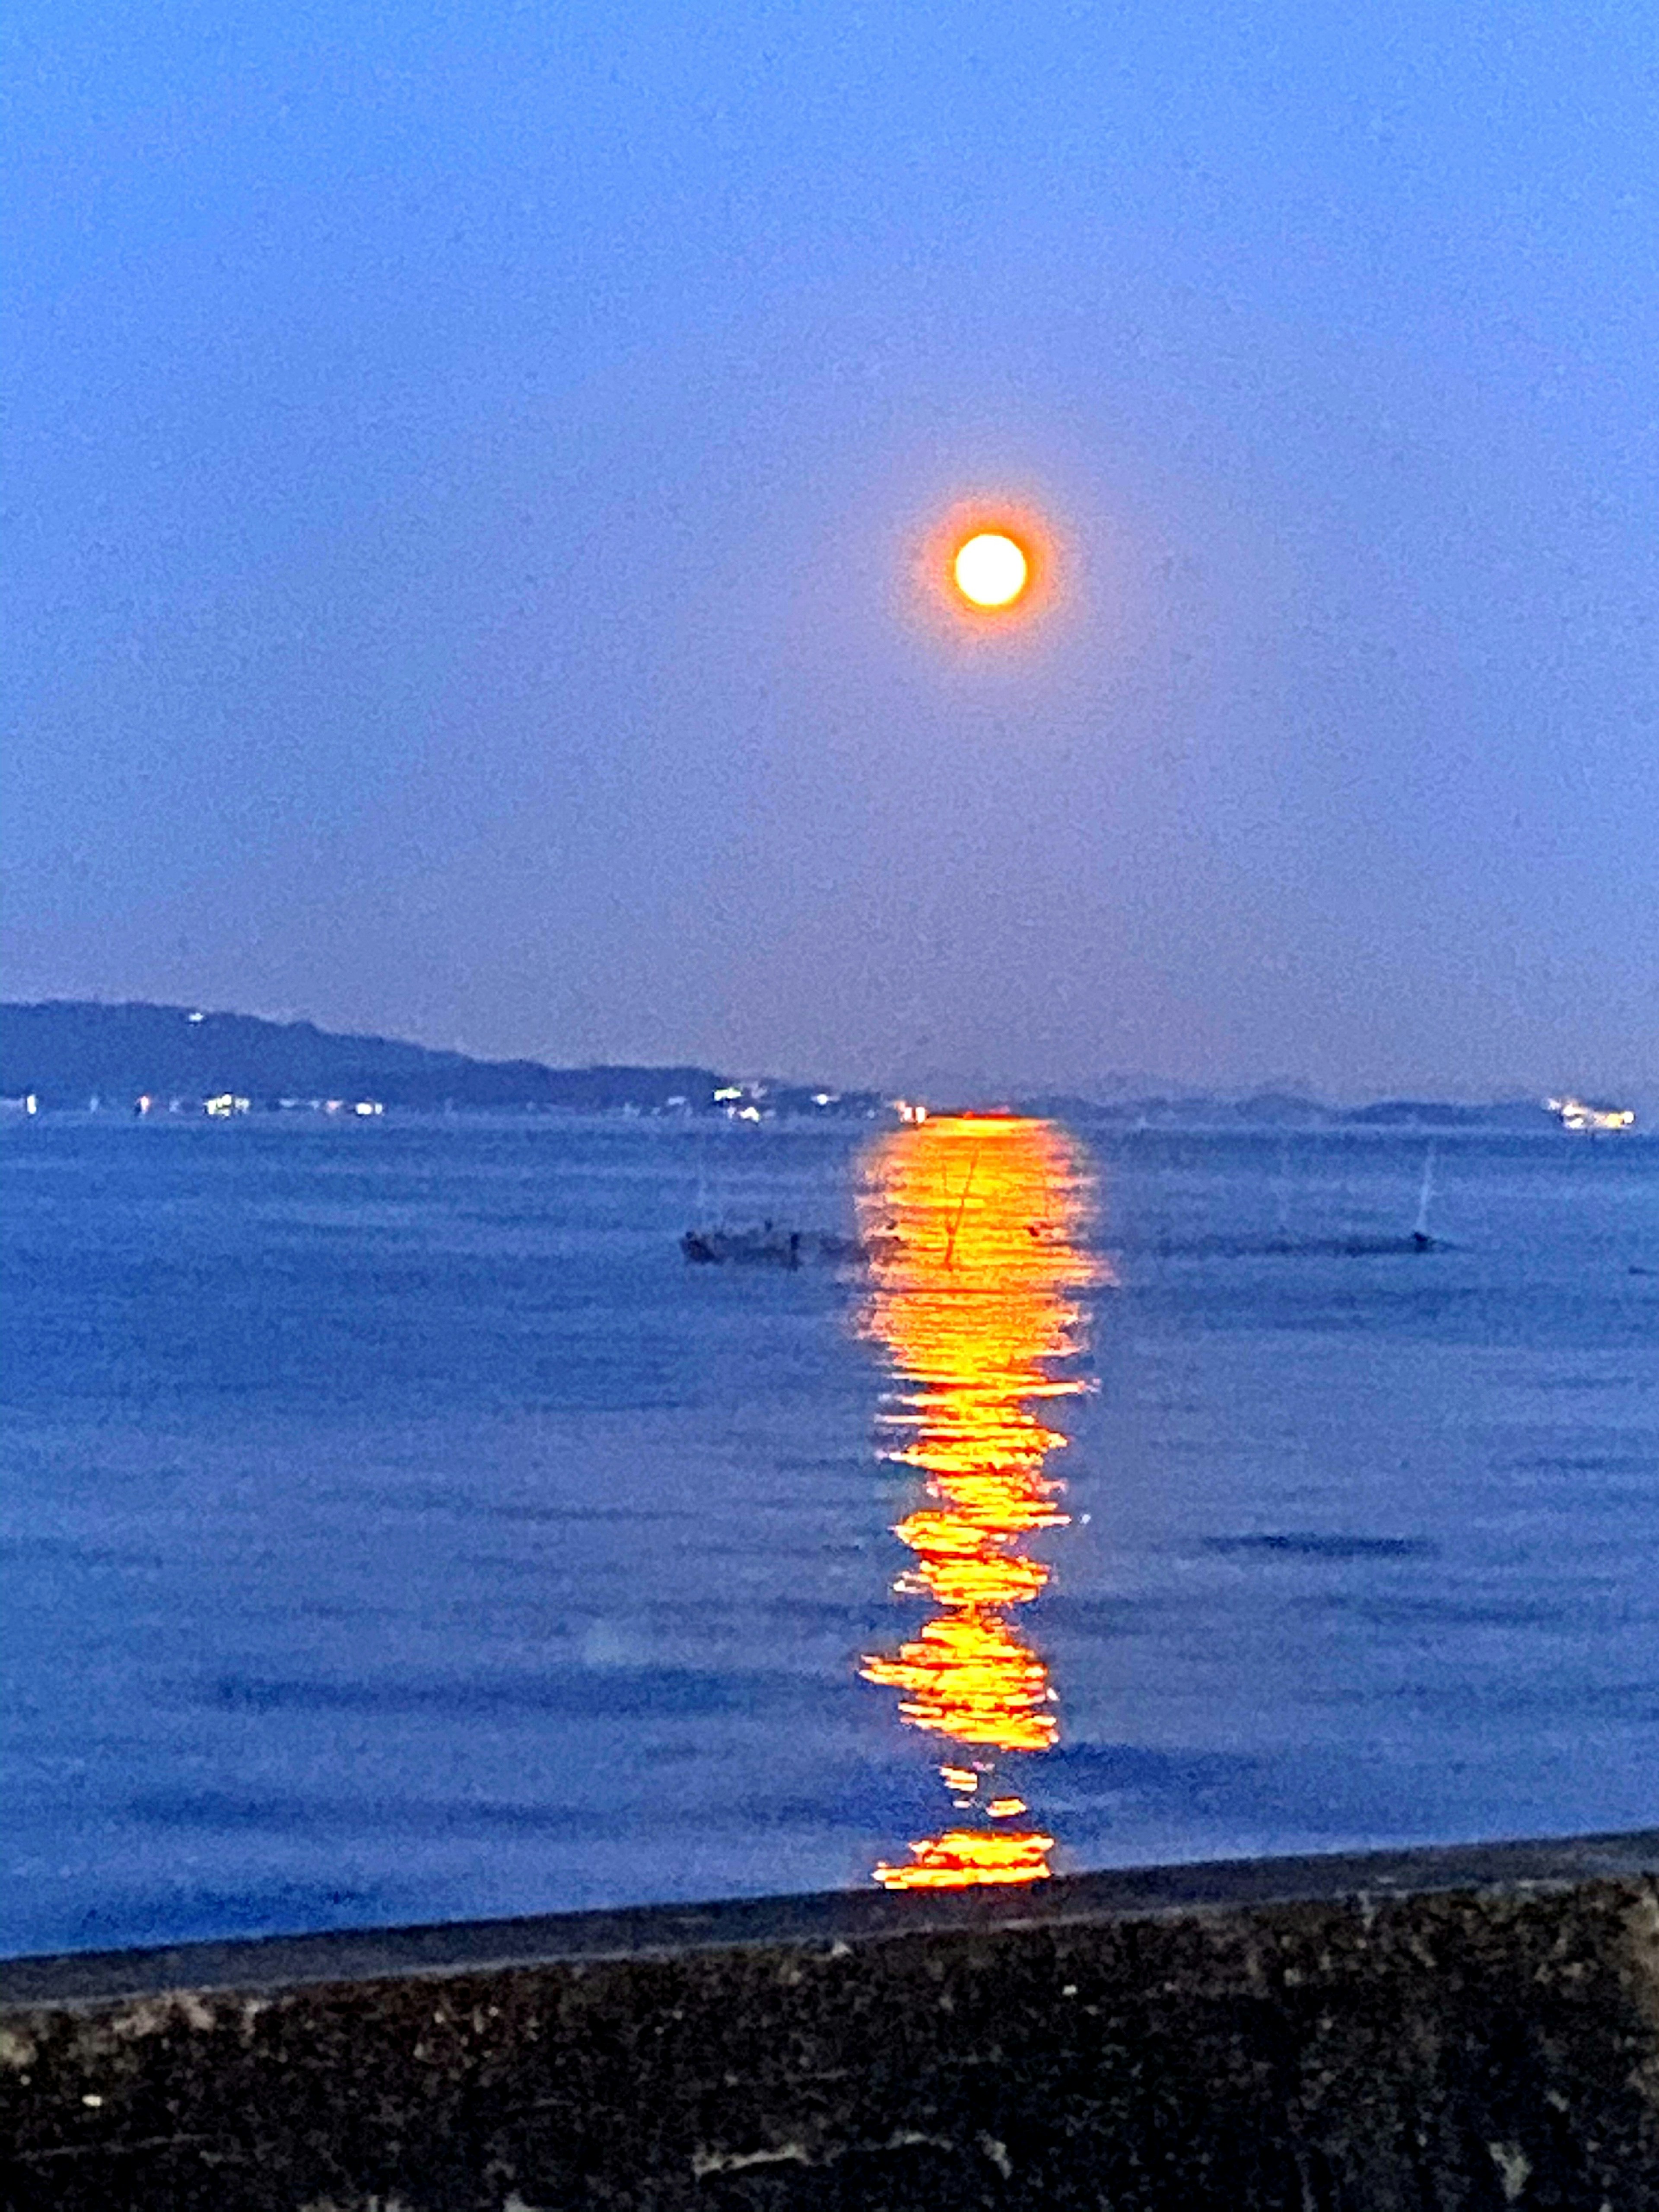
{"x": 396, "y": 1528}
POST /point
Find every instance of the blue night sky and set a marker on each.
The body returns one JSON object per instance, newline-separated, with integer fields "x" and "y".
{"x": 466, "y": 471}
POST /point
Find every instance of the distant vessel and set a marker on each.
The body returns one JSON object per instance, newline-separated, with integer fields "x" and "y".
{"x": 769, "y": 1246}
{"x": 764, "y": 1247}
{"x": 1283, "y": 1244}
{"x": 1587, "y": 1120}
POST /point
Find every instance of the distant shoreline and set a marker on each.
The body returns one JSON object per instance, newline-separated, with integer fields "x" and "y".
{"x": 146, "y": 1060}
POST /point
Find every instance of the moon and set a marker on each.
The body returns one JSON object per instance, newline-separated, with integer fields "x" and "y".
{"x": 991, "y": 570}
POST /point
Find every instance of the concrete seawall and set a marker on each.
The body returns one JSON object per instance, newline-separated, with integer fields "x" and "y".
{"x": 1469, "y": 2028}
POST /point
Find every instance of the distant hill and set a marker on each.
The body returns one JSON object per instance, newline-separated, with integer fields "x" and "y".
{"x": 1436, "y": 1114}
{"x": 1289, "y": 1110}
{"x": 69, "y": 1051}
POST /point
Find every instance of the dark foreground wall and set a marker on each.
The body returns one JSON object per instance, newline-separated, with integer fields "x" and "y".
{"x": 1462, "y": 2029}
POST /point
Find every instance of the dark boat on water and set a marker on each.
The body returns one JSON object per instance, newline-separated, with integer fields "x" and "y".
{"x": 769, "y": 1246}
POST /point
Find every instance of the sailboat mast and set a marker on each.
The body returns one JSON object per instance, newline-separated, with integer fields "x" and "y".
{"x": 1420, "y": 1227}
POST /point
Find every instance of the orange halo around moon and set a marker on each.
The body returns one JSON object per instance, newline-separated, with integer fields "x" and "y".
{"x": 989, "y": 565}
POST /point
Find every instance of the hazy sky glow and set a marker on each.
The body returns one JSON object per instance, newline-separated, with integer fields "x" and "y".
{"x": 470, "y": 471}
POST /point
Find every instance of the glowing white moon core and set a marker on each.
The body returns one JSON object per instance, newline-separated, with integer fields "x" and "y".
{"x": 991, "y": 570}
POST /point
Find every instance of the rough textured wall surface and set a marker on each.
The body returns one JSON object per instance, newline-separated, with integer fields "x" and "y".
{"x": 1461, "y": 2029}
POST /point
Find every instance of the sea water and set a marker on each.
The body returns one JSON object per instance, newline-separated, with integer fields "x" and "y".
{"x": 396, "y": 1527}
